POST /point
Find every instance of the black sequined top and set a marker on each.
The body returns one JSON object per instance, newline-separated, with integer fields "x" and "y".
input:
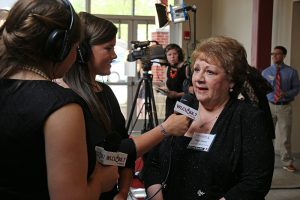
{"x": 239, "y": 164}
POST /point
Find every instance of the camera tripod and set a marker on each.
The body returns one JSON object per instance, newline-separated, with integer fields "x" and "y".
{"x": 150, "y": 119}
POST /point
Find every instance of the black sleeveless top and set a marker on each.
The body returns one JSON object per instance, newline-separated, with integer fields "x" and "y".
{"x": 112, "y": 107}
{"x": 175, "y": 79}
{"x": 25, "y": 105}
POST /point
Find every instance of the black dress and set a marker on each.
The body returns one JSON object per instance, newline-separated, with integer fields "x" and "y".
{"x": 239, "y": 164}
{"x": 111, "y": 104}
{"x": 24, "y": 108}
{"x": 175, "y": 79}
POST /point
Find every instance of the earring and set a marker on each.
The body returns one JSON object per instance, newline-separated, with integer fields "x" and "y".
{"x": 230, "y": 90}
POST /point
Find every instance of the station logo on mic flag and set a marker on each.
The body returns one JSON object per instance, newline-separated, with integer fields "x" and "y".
{"x": 185, "y": 110}
{"x": 110, "y": 158}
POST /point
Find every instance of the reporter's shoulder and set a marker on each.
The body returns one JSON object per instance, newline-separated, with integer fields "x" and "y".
{"x": 56, "y": 93}
{"x": 49, "y": 96}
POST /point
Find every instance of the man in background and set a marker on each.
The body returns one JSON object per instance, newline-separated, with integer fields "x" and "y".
{"x": 286, "y": 86}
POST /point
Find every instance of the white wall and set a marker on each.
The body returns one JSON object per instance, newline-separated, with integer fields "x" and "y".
{"x": 203, "y": 21}
{"x": 218, "y": 17}
{"x": 234, "y": 18}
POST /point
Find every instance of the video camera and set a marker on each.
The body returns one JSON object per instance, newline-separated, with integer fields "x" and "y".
{"x": 147, "y": 53}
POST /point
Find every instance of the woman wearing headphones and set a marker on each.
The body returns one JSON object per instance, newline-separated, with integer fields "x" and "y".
{"x": 43, "y": 141}
{"x": 177, "y": 72}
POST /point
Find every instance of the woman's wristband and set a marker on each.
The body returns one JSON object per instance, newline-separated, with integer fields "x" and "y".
{"x": 163, "y": 130}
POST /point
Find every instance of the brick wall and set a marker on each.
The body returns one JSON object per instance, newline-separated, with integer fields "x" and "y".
{"x": 162, "y": 37}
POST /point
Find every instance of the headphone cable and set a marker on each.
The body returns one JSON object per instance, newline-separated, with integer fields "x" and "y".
{"x": 163, "y": 184}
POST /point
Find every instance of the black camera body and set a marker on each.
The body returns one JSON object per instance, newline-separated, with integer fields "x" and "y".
{"x": 147, "y": 53}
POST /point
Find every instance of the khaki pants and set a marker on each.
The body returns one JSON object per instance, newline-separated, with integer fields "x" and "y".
{"x": 282, "y": 119}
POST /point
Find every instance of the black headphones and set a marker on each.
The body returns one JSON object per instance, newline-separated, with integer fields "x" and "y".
{"x": 58, "y": 45}
{"x": 84, "y": 52}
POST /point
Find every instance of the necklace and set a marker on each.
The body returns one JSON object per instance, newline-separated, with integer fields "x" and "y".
{"x": 37, "y": 71}
{"x": 173, "y": 73}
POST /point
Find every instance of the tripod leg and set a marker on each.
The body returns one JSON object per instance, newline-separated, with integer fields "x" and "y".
{"x": 153, "y": 103}
{"x": 148, "y": 107}
{"x": 133, "y": 105}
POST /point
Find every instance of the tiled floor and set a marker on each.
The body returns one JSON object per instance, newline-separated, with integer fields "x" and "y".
{"x": 285, "y": 194}
{"x": 274, "y": 194}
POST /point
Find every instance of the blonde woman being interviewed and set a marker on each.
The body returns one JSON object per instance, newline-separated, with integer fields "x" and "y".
{"x": 227, "y": 152}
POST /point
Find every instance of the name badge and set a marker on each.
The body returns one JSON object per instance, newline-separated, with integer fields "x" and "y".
{"x": 201, "y": 141}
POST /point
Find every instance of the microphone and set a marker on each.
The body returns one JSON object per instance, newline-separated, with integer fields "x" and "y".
{"x": 186, "y": 8}
{"x": 188, "y": 106}
{"x": 107, "y": 152}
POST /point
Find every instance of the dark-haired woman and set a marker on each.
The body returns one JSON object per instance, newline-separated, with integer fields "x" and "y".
{"x": 43, "y": 139}
{"x": 177, "y": 72}
{"x": 95, "y": 56}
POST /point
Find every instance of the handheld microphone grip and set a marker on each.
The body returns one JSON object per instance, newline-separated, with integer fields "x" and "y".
{"x": 107, "y": 152}
{"x": 112, "y": 142}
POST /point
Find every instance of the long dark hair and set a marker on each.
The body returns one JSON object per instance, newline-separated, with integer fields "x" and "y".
{"x": 96, "y": 31}
{"x": 25, "y": 33}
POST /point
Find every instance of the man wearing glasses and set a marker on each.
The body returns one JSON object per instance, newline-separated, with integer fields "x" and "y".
{"x": 286, "y": 86}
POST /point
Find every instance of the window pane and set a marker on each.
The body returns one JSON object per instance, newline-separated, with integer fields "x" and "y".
{"x": 78, "y": 5}
{"x": 151, "y": 29}
{"x": 144, "y": 34}
{"x": 111, "y": 7}
{"x": 145, "y": 7}
{"x": 121, "y": 93}
{"x": 171, "y": 2}
{"x": 122, "y": 32}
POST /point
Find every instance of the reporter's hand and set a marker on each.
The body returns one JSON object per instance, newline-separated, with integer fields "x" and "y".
{"x": 108, "y": 176}
{"x": 176, "y": 125}
{"x": 198, "y": 126}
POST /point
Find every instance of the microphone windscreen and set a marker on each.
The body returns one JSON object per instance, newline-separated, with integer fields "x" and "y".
{"x": 190, "y": 100}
